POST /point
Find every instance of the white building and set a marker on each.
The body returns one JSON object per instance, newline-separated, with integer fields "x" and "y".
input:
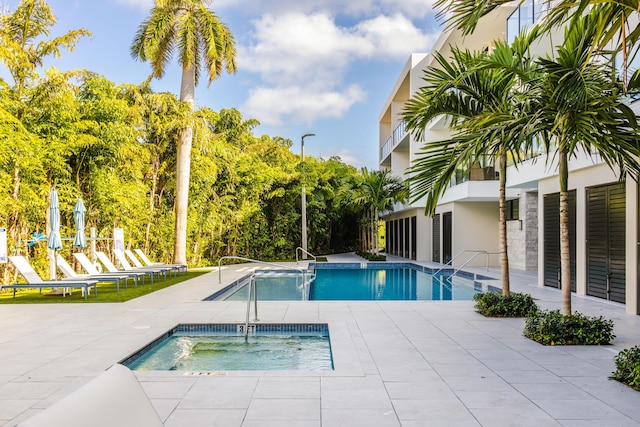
{"x": 604, "y": 215}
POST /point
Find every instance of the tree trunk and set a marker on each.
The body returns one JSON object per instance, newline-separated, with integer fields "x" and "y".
{"x": 183, "y": 169}
{"x": 504, "y": 255}
{"x": 565, "y": 258}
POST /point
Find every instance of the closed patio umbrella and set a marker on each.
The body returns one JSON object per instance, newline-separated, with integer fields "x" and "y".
{"x": 78, "y": 216}
{"x": 54, "y": 242}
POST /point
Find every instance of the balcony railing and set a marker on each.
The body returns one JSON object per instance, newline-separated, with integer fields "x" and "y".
{"x": 398, "y": 133}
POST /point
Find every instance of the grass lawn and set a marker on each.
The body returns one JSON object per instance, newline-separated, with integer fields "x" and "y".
{"x": 106, "y": 292}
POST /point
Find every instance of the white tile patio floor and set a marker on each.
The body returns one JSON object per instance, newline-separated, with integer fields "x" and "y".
{"x": 407, "y": 363}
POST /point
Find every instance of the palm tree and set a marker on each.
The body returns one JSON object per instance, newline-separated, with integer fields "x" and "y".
{"x": 202, "y": 41}
{"x": 480, "y": 100}
{"x": 577, "y": 106}
{"x": 376, "y": 192}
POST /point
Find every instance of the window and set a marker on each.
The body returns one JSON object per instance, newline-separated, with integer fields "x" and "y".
{"x": 512, "y": 209}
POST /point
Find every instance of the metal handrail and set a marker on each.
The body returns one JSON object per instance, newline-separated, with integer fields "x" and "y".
{"x": 304, "y": 251}
{"x": 252, "y": 281}
{"x": 273, "y": 264}
{"x": 450, "y": 262}
{"x": 472, "y": 258}
{"x": 315, "y": 259}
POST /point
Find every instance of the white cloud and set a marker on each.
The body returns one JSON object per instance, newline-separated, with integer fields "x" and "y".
{"x": 270, "y": 105}
{"x": 353, "y": 8}
{"x": 138, "y": 4}
{"x": 305, "y": 58}
{"x": 394, "y": 36}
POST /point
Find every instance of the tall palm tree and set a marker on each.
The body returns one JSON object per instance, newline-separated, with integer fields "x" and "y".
{"x": 376, "y": 192}
{"x": 577, "y": 106}
{"x": 480, "y": 100}
{"x": 202, "y": 41}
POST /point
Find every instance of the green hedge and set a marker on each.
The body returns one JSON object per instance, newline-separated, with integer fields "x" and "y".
{"x": 371, "y": 257}
{"x": 628, "y": 367}
{"x": 552, "y": 328}
{"x": 494, "y": 304}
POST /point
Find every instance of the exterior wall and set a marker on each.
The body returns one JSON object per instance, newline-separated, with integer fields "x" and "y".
{"x": 475, "y": 228}
{"x": 425, "y": 236}
{"x": 423, "y": 231}
{"x": 633, "y": 248}
{"x": 580, "y": 180}
{"x": 522, "y": 235}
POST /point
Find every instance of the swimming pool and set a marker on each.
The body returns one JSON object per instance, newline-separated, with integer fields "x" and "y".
{"x": 360, "y": 282}
{"x": 223, "y": 347}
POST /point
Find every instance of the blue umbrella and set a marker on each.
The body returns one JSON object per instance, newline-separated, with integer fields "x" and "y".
{"x": 54, "y": 242}
{"x": 78, "y": 216}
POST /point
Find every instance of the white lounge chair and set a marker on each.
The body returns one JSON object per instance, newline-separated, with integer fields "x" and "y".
{"x": 114, "y": 398}
{"x": 145, "y": 259}
{"x": 34, "y": 281}
{"x": 104, "y": 259}
{"x": 122, "y": 260}
{"x": 137, "y": 264}
{"x": 70, "y": 274}
{"x": 90, "y": 268}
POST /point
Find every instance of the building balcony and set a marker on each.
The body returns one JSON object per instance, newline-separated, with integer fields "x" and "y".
{"x": 392, "y": 142}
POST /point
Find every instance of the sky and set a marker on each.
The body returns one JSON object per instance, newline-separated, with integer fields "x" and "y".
{"x": 303, "y": 66}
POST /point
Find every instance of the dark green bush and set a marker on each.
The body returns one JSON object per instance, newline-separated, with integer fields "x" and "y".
{"x": 552, "y": 328}
{"x": 628, "y": 367}
{"x": 371, "y": 257}
{"x": 494, "y": 304}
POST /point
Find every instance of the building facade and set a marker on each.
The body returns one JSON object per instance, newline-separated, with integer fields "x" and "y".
{"x": 604, "y": 213}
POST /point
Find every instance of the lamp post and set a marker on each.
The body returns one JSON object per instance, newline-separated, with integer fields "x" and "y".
{"x": 303, "y": 202}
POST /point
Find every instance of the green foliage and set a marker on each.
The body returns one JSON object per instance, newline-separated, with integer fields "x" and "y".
{"x": 114, "y": 146}
{"x": 553, "y": 328}
{"x": 494, "y": 304}
{"x": 371, "y": 257}
{"x": 628, "y": 367}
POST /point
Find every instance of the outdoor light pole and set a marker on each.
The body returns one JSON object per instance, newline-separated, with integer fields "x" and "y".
{"x": 303, "y": 202}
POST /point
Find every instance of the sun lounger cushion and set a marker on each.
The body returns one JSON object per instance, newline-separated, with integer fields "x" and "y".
{"x": 114, "y": 398}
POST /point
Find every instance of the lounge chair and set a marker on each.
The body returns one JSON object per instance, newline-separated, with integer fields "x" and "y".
{"x": 90, "y": 268}
{"x": 136, "y": 262}
{"x": 70, "y": 274}
{"x": 122, "y": 260}
{"x": 104, "y": 259}
{"x": 113, "y": 398}
{"x": 34, "y": 281}
{"x": 149, "y": 263}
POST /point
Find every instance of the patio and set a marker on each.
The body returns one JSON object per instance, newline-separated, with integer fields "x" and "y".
{"x": 397, "y": 363}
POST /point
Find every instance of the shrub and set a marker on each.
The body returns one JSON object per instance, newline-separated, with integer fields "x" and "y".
{"x": 494, "y": 304}
{"x": 628, "y": 367}
{"x": 552, "y": 328}
{"x": 372, "y": 257}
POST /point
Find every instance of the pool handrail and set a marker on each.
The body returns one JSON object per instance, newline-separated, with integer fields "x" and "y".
{"x": 475, "y": 252}
{"x": 472, "y": 258}
{"x": 273, "y": 264}
{"x": 315, "y": 259}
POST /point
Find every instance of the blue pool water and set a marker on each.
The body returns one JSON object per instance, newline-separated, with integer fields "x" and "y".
{"x": 267, "y": 347}
{"x": 401, "y": 283}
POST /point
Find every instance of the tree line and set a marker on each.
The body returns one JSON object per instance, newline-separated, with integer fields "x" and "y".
{"x": 116, "y": 147}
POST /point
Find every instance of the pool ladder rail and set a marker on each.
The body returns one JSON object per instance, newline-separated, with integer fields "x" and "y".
{"x": 475, "y": 254}
{"x": 307, "y": 278}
